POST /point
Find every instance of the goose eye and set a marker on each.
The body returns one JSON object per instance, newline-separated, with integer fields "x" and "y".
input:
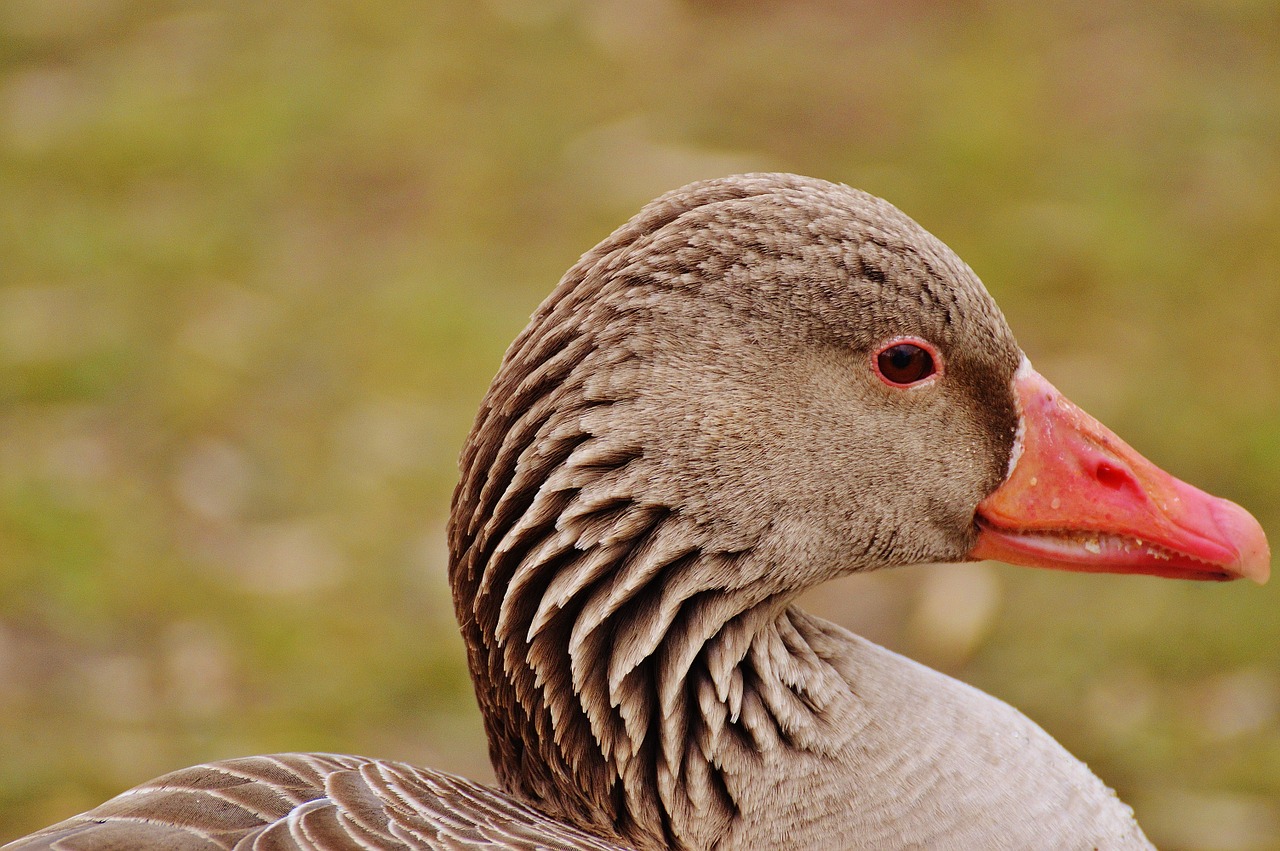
{"x": 905, "y": 363}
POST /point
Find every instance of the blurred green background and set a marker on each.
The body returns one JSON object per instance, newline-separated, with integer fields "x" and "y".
{"x": 258, "y": 262}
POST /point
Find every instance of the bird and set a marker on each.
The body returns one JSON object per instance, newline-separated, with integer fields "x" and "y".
{"x": 757, "y": 384}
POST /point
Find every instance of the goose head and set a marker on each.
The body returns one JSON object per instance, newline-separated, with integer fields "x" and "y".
{"x": 757, "y": 384}
{"x": 800, "y": 371}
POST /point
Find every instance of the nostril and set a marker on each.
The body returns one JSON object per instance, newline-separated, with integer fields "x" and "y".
{"x": 1111, "y": 476}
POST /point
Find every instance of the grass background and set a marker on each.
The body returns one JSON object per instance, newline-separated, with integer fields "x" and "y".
{"x": 258, "y": 262}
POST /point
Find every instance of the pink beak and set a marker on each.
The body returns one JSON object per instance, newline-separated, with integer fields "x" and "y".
{"x": 1080, "y": 498}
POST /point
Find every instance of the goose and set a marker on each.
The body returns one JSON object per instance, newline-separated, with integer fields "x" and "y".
{"x": 755, "y": 385}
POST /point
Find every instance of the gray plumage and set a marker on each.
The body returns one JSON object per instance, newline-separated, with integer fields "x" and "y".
{"x": 684, "y": 438}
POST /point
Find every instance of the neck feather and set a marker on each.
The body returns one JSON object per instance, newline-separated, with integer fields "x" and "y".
{"x": 616, "y": 697}
{"x": 621, "y": 654}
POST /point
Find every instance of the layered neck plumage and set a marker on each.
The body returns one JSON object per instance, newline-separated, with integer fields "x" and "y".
{"x": 619, "y": 662}
{"x": 622, "y": 651}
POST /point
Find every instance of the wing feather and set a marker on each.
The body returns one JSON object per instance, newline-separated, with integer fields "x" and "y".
{"x": 316, "y": 802}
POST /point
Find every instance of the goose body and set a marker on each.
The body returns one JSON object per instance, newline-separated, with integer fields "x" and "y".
{"x": 756, "y": 384}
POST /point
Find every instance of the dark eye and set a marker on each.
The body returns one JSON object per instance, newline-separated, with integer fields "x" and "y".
{"x": 904, "y": 364}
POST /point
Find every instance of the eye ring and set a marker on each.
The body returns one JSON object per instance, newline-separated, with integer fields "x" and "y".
{"x": 906, "y": 362}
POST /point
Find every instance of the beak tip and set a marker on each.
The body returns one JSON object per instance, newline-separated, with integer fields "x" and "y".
{"x": 1254, "y": 565}
{"x": 1257, "y": 567}
{"x": 1259, "y": 571}
{"x": 1254, "y": 554}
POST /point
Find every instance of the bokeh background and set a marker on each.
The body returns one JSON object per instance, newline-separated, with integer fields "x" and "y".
{"x": 258, "y": 262}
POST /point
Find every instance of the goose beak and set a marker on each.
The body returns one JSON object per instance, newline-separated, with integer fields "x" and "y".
{"x": 1079, "y": 498}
